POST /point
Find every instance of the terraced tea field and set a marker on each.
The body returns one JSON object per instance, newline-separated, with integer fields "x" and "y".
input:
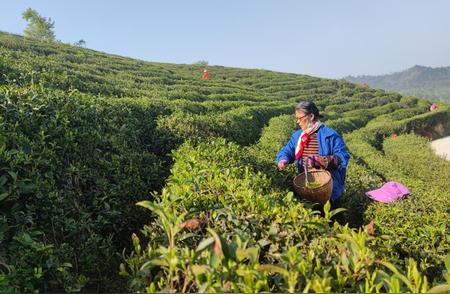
{"x": 84, "y": 136}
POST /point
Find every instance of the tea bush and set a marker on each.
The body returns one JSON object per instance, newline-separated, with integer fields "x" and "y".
{"x": 249, "y": 238}
{"x": 71, "y": 169}
{"x": 420, "y": 222}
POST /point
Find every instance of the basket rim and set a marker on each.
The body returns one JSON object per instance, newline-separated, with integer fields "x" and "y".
{"x": 313, "y": 171}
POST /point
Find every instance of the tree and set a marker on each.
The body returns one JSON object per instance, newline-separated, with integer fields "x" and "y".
{"x": 38, "y": 27}
{"x": 80, "y": 43}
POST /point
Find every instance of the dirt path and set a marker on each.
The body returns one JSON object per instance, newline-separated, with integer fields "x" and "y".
{"x": 442, "y": 147}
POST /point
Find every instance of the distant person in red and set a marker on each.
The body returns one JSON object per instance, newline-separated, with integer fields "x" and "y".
{"x": 433, "y": 106}
{"x": 205, "y": 74}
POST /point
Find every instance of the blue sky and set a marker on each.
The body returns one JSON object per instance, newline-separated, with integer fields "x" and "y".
{"x": 320, "y": 38}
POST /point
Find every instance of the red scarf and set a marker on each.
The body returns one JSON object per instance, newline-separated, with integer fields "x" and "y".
{"x": 303, "y": 140}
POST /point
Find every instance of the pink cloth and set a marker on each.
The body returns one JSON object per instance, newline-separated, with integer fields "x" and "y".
{"x": 389, "y": 192}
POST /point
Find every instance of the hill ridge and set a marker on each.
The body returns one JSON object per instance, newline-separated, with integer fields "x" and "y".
{"x": 431, "y": 83}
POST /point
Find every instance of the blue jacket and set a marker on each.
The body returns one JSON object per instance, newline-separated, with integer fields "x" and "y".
{"x": 330, "y": 143}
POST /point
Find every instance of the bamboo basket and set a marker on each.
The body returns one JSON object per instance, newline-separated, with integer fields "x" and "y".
{"x": 320, "y": 194}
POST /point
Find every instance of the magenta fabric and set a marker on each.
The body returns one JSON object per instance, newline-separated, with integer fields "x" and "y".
{"x": 389, "y": 192}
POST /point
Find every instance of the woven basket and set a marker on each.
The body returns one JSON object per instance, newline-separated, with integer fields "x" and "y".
{"x": 320, "y": 194}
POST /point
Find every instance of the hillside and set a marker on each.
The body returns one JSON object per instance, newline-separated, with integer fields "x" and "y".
{"x": 86, "y": 135}
{"x": 420, "y": 81}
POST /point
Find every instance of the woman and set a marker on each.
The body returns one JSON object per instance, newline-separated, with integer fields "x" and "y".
{"x": 317, "y": 145}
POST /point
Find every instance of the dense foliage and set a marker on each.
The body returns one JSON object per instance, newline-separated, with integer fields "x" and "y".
{"x": 84, "y": 136}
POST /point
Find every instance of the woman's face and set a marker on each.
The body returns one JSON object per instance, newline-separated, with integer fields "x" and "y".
{"x": 303, "y": 119}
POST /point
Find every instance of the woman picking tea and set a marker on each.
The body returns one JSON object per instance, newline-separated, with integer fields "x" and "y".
{"x": 318, "y": 145}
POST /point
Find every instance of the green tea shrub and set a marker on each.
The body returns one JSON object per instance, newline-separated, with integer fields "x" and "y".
{"x": 71, "y": 166}
{"x": 219, "y": 227}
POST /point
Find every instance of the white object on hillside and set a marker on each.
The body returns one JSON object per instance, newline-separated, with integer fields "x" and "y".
{"x": 442, "y": 147}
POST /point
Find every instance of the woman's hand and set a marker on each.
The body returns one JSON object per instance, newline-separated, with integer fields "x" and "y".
{"x": 329, "y": 162}
{"x": 317, "y": 162}
{"x": 282, "y": 164}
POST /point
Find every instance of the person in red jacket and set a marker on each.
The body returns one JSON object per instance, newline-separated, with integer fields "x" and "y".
{"x": 433, "y": 106}
{"x": 205, "y": 74}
